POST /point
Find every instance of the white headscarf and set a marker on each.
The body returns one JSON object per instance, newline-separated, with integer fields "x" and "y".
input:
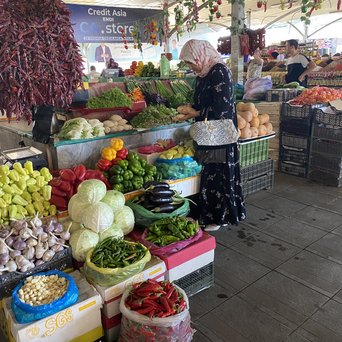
{"x": 202, "y": 54}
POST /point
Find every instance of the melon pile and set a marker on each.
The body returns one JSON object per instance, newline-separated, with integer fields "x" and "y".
{"x": 251, "y": 124}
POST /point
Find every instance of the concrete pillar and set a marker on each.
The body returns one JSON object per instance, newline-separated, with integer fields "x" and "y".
{"x": 238, "y": 14}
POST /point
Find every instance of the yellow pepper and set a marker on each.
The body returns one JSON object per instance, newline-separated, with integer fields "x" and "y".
{"x": 39, "y": 207}
{"x": 35, "y": 174}
{"x": 12, "y": 211}
{"x": 40, "y": 181}
{"x": 18, "y": 167}
{"x": 14, "y": 175}
{"x": 7, "y": 198}
{"x": 21, "y": 210}
{"x": 30, "y": 209}
{"x": 4, "y": 212}
{"x": 26, "y": 196}
{"x": 29, "y": 167}
{"x": 117, "y": 144}
{"x": 3, "y": 204}
{"x": 46, "y": 174}
{"x": 46, "y": 205}
{"x": 4, "y": 170}
{"x": 53, "y": 209}
{"x": 4, "y": 180}
{"x": 108, "y": 153}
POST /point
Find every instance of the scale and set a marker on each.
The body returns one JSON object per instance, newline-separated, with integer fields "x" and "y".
{"x": 23, "y": 154}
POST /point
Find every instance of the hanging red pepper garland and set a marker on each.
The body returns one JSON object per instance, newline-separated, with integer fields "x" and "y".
{"x": 40, "y": 61}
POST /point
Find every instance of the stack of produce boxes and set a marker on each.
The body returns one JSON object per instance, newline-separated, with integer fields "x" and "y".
{"x": 326, "y": 149}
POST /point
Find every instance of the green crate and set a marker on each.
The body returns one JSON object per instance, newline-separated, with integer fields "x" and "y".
{"x": 254, "y": 152}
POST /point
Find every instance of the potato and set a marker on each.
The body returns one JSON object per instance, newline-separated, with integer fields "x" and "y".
{"x": 264, "y": 118}
{"x": 241, "y": 122}
{"x": 248, "y": 116}
{"x": 115, "y": 117}
{"x": 255, "y": 122}
{"x": 246, "y": 133}
{"x": 269, "y": 127}
{"x": 262, "y": 130}
{"x": 108, "y": 123}
{"x": 255, "y": 132}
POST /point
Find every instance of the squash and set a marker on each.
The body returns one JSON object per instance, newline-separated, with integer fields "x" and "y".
{"x": 262, "y": 130}
{"x": 255, "y": 132}
{"x": 255, "y": 113}
{"x": 241, "y": 122}
{"x": 239, "y": 132}
{"x": 250, "y": 107}
{"x": 264, "y": 118}
{"x": 246, "y": 133}
{"x": 255, "y": 122}
{"x": 269, "y": 127}
{"x": 240, "y": 106}
{"x": 248, "y": 125}
{"x": 248, "y": 116}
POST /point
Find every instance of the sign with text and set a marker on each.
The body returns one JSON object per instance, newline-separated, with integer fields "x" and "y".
{"x": 97, "y": 24}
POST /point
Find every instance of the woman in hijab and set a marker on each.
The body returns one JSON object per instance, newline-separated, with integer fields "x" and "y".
{"x": 221, "y": 200}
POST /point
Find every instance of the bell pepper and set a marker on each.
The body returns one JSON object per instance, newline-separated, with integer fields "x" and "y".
{"x": 59, "y": 202}
{"x": 16, "y": 189}
{"x": 18, "y": 167}
{"x": 128, "y": 186}
{"x": 32, "y": 188}
{"x": 118, "y": 187}
{"x": 31, "y": 181}
{"x": 104, "y": 164}
{"x": 30, "y": 209}
{"x": 22, "y": 183}
{"x": 148, "y": 178}
{"x": 132, "y": 156}
{"x": 26, "y": 196}
{"x": 1, "y": 191}
{"x": 19, "y": 200}
{"x": 57, "y": 192}
{"x": 150, "y": 169}
{"x": 21, "y": 210}
{"x": 117, "y": 179}
{"x": 124, "y": 164}
{"x": 137, "y": 182}
{"x": 35, "y": 174}
{"x": 12, "y": 211}
{"x": 56, "y": 182}
{"x": 65, "y": 186}
{"x": 117, "y": 144}
{"x": 116, "y": 170}
{"x": 3, "y": 203}
{"x": 45, "y": 172}
{"x": 39, "y": 207}
{"x": 28, "y": 166}
{"x": 7, "y": 198}
{"x": 53, "y": 210}
{"x": 67, "y": 175}
{"x": 122, "y": 153}
{"x": 93, "y": 174}
{"x": 115, "y": 161}
{"x": 46, "y": 205}
{"x": 4, "y": 180}
{"x": 8, "y": 189}
{"x": 36, "y": 197}
{"x": 108, "y": 153}
{"x": 46, "y": 192}
{"x": 40, "y": 181}
{"x": 4, "y": 212}
{"x": 128, "y": 174}
{"x": 80, "y": 171}
{"x": 143, "y": 162}
{"x": 4, "y": 170}
{"x": 13, "y": 175}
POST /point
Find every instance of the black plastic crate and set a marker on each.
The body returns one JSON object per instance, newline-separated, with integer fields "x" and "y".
{"x": 326, "y": 146}
{"x": 9, "y": 280}
{"x": 293, "y": 155}
{"x": 296, "y": 126}
{"x": 198, "y": 280}
{"x": 281, "y": 95}
{"x": 325, "y": 177}
{"x": 256, "y": 170}
{"x": 326, "y": 162}
{"x": 298, "y": 143}
{"x": 327, "y": 126}
{"x": 306, "y": 111}
{"x": 254, "y": 185}
{"x": 294, "y": 169}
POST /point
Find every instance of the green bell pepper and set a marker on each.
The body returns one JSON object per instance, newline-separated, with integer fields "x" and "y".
{"x": 128, "y": 185}
{"x": 132, "y": 156}
{"x": 150, "y": 169}
{"x": 116, "y": 170}
{"x": 128, "y": 175}
{"x": 117, "y": 179}
{"x": 137, "y": 182}
{"x": 123, "y": 164}
{"x": 118, "y": 187}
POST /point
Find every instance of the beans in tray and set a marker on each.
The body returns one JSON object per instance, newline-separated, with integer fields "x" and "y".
{"x": 41, "y": 290}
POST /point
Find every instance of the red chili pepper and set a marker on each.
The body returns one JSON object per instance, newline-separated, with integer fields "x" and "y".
{"x": 122, "y": 153}
{"x": 59, "y": 202}
{"x": 104, "y": 165}
{"x": 80, "y": 171}
{"x": 312, "y": 9}
{"x": 65, "y": 186}
{"x": 68, "y": 175}
{"x": 170, "y": 292}
{"x": 56, "y": 191}
{"x": 151, "y": 313}
{"x": 165, "y": 303}
{"x": 145, "y": 310}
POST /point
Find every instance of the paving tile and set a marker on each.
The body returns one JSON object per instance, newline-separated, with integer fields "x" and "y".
{"x": 280, "y": 205}
{"x": 338, "y": 297}
{"x": 199, "y": 336}
{"x": 320, "y": 218}
{"x": 337, "y": 230}
{"x": 234, "y": 270}
{"x": 258, "y": 196}
{"x": 294, "y": 232}
{"x": 296, "y": 337}
{"x": 251, "y": 322}
{"x": 216, "y": 328}
{"x": 260, "y": 218}
{"x": 329, "y": 246}
{"x": 334, "y": 205}
{"x": 266, "y": 249}
{"x": 316, "y": 332}
{"x": 284, "y": 299}
{"x": 315, "y": 272}
{"x": 209, "y": 299}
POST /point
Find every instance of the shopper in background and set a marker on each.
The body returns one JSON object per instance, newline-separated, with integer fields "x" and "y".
{"x": 93, "y": 74}
{"x": 298, "y": 65}
{"x": 113, "y": 65}
{"x": 174, "y": 50}
{"x": 254, "y": 69}
{"x": 102, "y": 53}
{"x": 220, "y": 199}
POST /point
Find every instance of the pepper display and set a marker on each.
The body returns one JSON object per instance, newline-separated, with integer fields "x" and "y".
{"x": 114, "y": 253}
{"x": 172, "y": 229}
{"x": 156, "y": 299}
{"x": 40, "y": 61}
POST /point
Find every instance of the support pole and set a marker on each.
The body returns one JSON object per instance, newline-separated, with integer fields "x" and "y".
{"x": 238, "y": 14}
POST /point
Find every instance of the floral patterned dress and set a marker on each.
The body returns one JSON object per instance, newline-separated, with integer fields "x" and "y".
{"x": 221, "y": 199}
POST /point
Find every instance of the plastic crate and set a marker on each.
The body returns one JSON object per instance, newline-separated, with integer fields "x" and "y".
{"x": 254, "y": 152}
{"x": 280, "y": 95}
{"x": 291, "y": 155}
{"x": 296, "y": 126}
{"x": 8, "y": 281}
{"x": 327, "y": 162}
{"x": 327, "y": 126}
{"x": 197, "y": 281}
{"x": 256, "y": 170}
{"x": 306, "y": 111}
{"x": 257, "y": 184}
{"x": 325, "y": 177}
{"x": 298, "y": 143}
{"x": 294, "y": 169}
{"x": 326, "y": 146}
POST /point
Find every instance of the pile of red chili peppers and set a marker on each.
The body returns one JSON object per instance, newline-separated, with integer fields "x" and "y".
{"x": 156, "y": 299}
{"x": 39, "y": 59}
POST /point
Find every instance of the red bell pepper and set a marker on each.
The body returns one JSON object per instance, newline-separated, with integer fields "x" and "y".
{"x": 59, "y": 202}
{"x": 115, "y": 161}
{"x": 122, "y": 153}
{"x": 65, "y": 186}
{"x": 56, "y": 191}
{"x": 104, "y": 165}
{"x": 68, "y": 175}
{"x": 80, "y": 171}
{"x": 55, "y": 182}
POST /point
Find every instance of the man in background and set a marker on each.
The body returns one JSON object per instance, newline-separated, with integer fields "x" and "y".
{"x": 102, "y": 53}
{"x": 298, "y": 65}
{"x": 174, "y": 50}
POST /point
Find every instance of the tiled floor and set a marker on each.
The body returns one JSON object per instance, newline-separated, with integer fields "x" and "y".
{"x": 278, "y": 276}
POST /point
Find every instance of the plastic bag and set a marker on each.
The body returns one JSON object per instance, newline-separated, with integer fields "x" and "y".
{"x": 178, "y": 168}
{"x": 172, "y": 247}
{"x": 112, "y": 276}
{"x": 144, "y": 217}
{"x": 136, "y": 327}
{"x": 256, "y": 88}
{"x": 25, "y": 313}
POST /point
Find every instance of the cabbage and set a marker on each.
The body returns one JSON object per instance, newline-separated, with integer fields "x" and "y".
{"x": 81, "y": 241}
{"x": 97, "y": 217}
{"x": 74, "y": 226}
{"x": 91, "y": 191}
{"x": 76, "y": 208}
{"x": 114, "y": 231}
{"x": 115, "y": 199}
{"x": 124, "y": 218}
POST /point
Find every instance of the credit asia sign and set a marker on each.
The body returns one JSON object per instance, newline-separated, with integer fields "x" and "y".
{"x": 97, "y": 24}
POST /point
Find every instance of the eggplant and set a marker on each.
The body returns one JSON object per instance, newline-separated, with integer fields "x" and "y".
{"x": 155, "y": 184}
{"x": 148, "y": 205}
{"x": 165, "y": 208}
{"x": 161, "y": 200}
{"x": 160, "y": 192}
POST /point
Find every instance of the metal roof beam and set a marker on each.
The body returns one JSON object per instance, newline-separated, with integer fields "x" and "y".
{"x": 282, "y": 17}
{"x": 323, "y": 27}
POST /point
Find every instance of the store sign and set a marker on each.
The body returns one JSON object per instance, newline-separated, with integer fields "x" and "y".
{"x": 97, "y": 24}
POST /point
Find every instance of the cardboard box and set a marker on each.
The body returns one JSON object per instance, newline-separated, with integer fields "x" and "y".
{"x": 111, "y": 296}
{"x": 186, "y": 186}
{"x": 80, "y": 322}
